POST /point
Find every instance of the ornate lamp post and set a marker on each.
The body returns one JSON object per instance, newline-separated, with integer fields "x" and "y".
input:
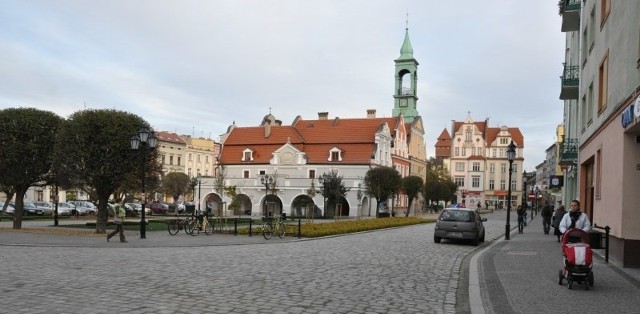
{"x": 199, "y": 178}
{"x": 267, "y": 181}
{"x": 511, "y": 153}
{"x": 148, "y": 141}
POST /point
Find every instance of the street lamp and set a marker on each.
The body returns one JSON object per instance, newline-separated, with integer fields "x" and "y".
{"x": 199, "y": 178}
{"x": 537, "y": 200}
{"x": 148, "y": 141}
{"x": 267, "y": 181}
{"x": 511, "y": 154}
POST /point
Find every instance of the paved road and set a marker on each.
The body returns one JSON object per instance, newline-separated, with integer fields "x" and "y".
{"x": 392, "y": 271}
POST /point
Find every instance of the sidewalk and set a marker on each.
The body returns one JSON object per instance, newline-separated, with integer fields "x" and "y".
{"x": 516, "y": 275}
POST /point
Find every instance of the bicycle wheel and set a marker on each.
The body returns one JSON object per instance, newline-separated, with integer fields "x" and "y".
{"x": 186, "y": 224}
{"x": 267, "y": 231}
{"x": 208, "y": 227}
{"x": 281, "y": 230}
{"x": 194, "y": 226}
{"x": 173, "y": 228}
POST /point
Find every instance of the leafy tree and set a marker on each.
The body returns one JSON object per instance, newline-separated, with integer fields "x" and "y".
{"x": 93, "y": 148}
{"x": 439, "y": 186}
{"x": 26, "y": 145}
{"x": 175, "y": 184}
{"x": 231, "y": 191}
{"x": 381, "y": 182}
{"x": 333, "y": 190}
{"x": 221, "y": 176}
{"x": 412, "y": 185}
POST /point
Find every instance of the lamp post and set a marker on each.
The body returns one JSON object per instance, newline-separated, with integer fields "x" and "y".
{"x": 148, "y": 141}
{"x": 511, "y": 152}
{"x": 199, "y": 178}
{"x": 267, "y": 181}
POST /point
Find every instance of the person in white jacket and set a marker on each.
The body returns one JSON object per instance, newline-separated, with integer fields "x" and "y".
{"x": 575, "y": 219}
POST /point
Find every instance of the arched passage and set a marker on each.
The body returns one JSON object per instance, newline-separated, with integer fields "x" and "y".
{"x": 271, "y": 205}
{"x": 301, "y": 205}
{"x": 245, "y": 207}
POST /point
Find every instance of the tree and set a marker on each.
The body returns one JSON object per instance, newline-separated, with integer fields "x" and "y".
{"x": 232, "y": 193}
{"x": 412, "y": 185}
{"x": 381, "y": 182}
{"x": 26, "y": 145}
{"x": 93, "y": 148}
{"x": 9, "y": 192}
{"x": 332, "y": 189}
{"x": 439, "y": 186}
{"x": 175, "y": 184}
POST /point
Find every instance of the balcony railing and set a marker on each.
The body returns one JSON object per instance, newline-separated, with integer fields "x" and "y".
{"x": 570, "y": 80}
{"x": 569, "y": 152}
{"x": 570, "y": 11}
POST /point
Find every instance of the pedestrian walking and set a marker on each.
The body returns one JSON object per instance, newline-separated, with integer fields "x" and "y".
{"x": 118, "y": 219}
{"x": 557, "y": 217}
{"x": 522, "y": 217}
{"x": 546, "y": 213}
{"x": 575, "y": 219}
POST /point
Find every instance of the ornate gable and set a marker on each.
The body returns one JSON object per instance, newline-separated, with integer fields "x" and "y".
{"x": 288, "y": 154}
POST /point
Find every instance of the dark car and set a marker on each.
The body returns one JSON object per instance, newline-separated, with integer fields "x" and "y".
{"x": 158, "y": 207}
{"x": 459, "y": 224}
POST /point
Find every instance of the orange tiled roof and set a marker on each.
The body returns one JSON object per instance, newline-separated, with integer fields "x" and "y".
{"x": 169, "y": 137}
{"x": 355, "y": 137}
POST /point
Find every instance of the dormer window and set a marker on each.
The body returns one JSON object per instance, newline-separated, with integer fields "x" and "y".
{"x": 335, "y": 154}
{"x": 247, "y": 155}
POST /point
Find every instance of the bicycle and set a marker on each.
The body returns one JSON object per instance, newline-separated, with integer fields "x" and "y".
{"x": 174, "y": 226}
{"x": 270, "y": 227}
{"x": 202, "y": 222}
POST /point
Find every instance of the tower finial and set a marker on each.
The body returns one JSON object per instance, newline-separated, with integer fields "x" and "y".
{"x": 469, "y": 114}
{"x": 407, "y": 21}
{"x": 269, "y": 110}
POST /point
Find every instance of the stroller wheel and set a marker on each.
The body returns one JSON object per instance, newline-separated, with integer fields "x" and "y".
{"x": 570, "y": 281}
{"x": 590, "y": 279}
{"x": 560, "y": 277}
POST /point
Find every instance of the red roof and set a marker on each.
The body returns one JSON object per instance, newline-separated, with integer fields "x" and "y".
{"x": 170, "y": 137}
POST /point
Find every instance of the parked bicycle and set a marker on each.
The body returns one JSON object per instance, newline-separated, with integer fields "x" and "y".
{"x": 174, "y": 226}
{"x": 201, "y": 222}
{"x": 271, "y": 227}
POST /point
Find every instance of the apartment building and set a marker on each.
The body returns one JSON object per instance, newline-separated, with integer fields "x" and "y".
{"x": 600, "y": 86}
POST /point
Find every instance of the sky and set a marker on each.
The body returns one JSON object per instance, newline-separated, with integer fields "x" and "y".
{"x": 195, "y": 67}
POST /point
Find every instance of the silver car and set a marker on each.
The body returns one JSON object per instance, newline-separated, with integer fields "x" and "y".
{"x": 45, "y": 206}
{"x": 459, "y": 224}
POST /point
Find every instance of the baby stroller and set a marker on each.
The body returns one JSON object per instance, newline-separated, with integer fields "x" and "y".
{"x": 577, "y": 256}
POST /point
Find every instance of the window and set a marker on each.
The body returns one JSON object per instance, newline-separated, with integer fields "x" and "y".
{"x": 179, "y": 158}
{"x": 603, "y": 78}
{"x": 467, "y": 134}
{"x": 189, "y": 172}
{"x": 163, "y": 159}
{"x": 504, "y": 141}
{"x": 475, "y": 181}
{"x": 584, "y": 46}
{"x": 583, "y": 118}
{"x": 190, "y": 159}
{"x": 492, "y": 168}
{"x": 335, "y": 154}
{"x": 245, "y": 174}
{"x": 464, "y": 151}
{"x": 198, "y": 158}
{"x": 503, "y": 168}
{"x": 262, "y": 172}
{"x": 590, "y": 104}
{"x": 592, "y": 29}
{"x": 312, "y": 174}
{"x": 206, "y": 159}
{"x": 513, "y": 185}
{"x": 476, "y": 166}
{"x": 457, "y": 150}
{"x": 502, "y": 185}
{"x": 206, "y": 172}
{"x": 492, "y": 184}
{"x": 459, "y": 166}
{"x": 605, "y": 9}
{"x": 247, "y": 155}
{"x": 493, "y": 152}
{"x": 514, "y": 168}
{"x": 171, "y": 160}
{"x": 459, "y": 181}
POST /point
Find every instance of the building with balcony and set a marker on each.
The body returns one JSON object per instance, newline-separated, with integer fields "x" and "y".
{"x": 603, "y": 124}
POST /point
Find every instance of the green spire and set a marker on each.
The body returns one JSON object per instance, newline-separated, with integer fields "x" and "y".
{"x": 406, "y": 52}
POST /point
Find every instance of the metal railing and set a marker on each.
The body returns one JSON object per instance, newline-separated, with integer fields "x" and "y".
{"x": 607, "y": 230}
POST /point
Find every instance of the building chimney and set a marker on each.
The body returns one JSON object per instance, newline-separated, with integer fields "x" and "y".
{"x": 323, "y": 115}
{"x": 371, "y": 113}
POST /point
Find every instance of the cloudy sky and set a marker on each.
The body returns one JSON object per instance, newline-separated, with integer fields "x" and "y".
{"x": 195, "y": 67}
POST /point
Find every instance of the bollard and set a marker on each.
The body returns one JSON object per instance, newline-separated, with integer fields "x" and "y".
{"x": 250, "y": 221}
{"x": 607, "y": 229}
{"x": 299, "y": 228}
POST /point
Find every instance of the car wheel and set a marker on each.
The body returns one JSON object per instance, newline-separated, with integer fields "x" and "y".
{"x": 482, "y": 237}
{"x": 475, "y": 241}
{"x": 437, "y": 239}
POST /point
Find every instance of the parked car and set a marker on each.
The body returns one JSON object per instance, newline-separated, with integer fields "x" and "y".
{"x": 85, "y": 207}
{"x": 158, "y": 207}
{"x": 10, "y": 208}
{"x": 459, "y": 224}
{"x": 30, "y": 209}
{"x": 66, "y": 208}
{"x": 46, "y": 206}
{"x": 135, "y": 209}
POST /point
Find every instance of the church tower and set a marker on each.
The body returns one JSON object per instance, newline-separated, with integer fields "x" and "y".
{"x": 406, "y": 75}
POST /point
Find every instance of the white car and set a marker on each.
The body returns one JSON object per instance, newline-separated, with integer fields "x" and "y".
{"x": 84, "y": 207}
{"x": 45, "y": 206}
{"x": 10, "y": 208}
{"x": 66, "y": 209}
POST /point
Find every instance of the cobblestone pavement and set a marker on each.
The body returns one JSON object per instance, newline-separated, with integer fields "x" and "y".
{"x": 390, "y": 271}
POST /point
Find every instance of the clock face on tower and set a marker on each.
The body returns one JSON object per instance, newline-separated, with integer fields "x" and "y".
{"x": 403, "y": 102}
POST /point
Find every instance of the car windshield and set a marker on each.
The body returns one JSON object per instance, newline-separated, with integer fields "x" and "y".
{"x": 456, "y": 215}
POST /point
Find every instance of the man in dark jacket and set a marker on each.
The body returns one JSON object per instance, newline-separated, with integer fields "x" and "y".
{"x": 546, "y": 213}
